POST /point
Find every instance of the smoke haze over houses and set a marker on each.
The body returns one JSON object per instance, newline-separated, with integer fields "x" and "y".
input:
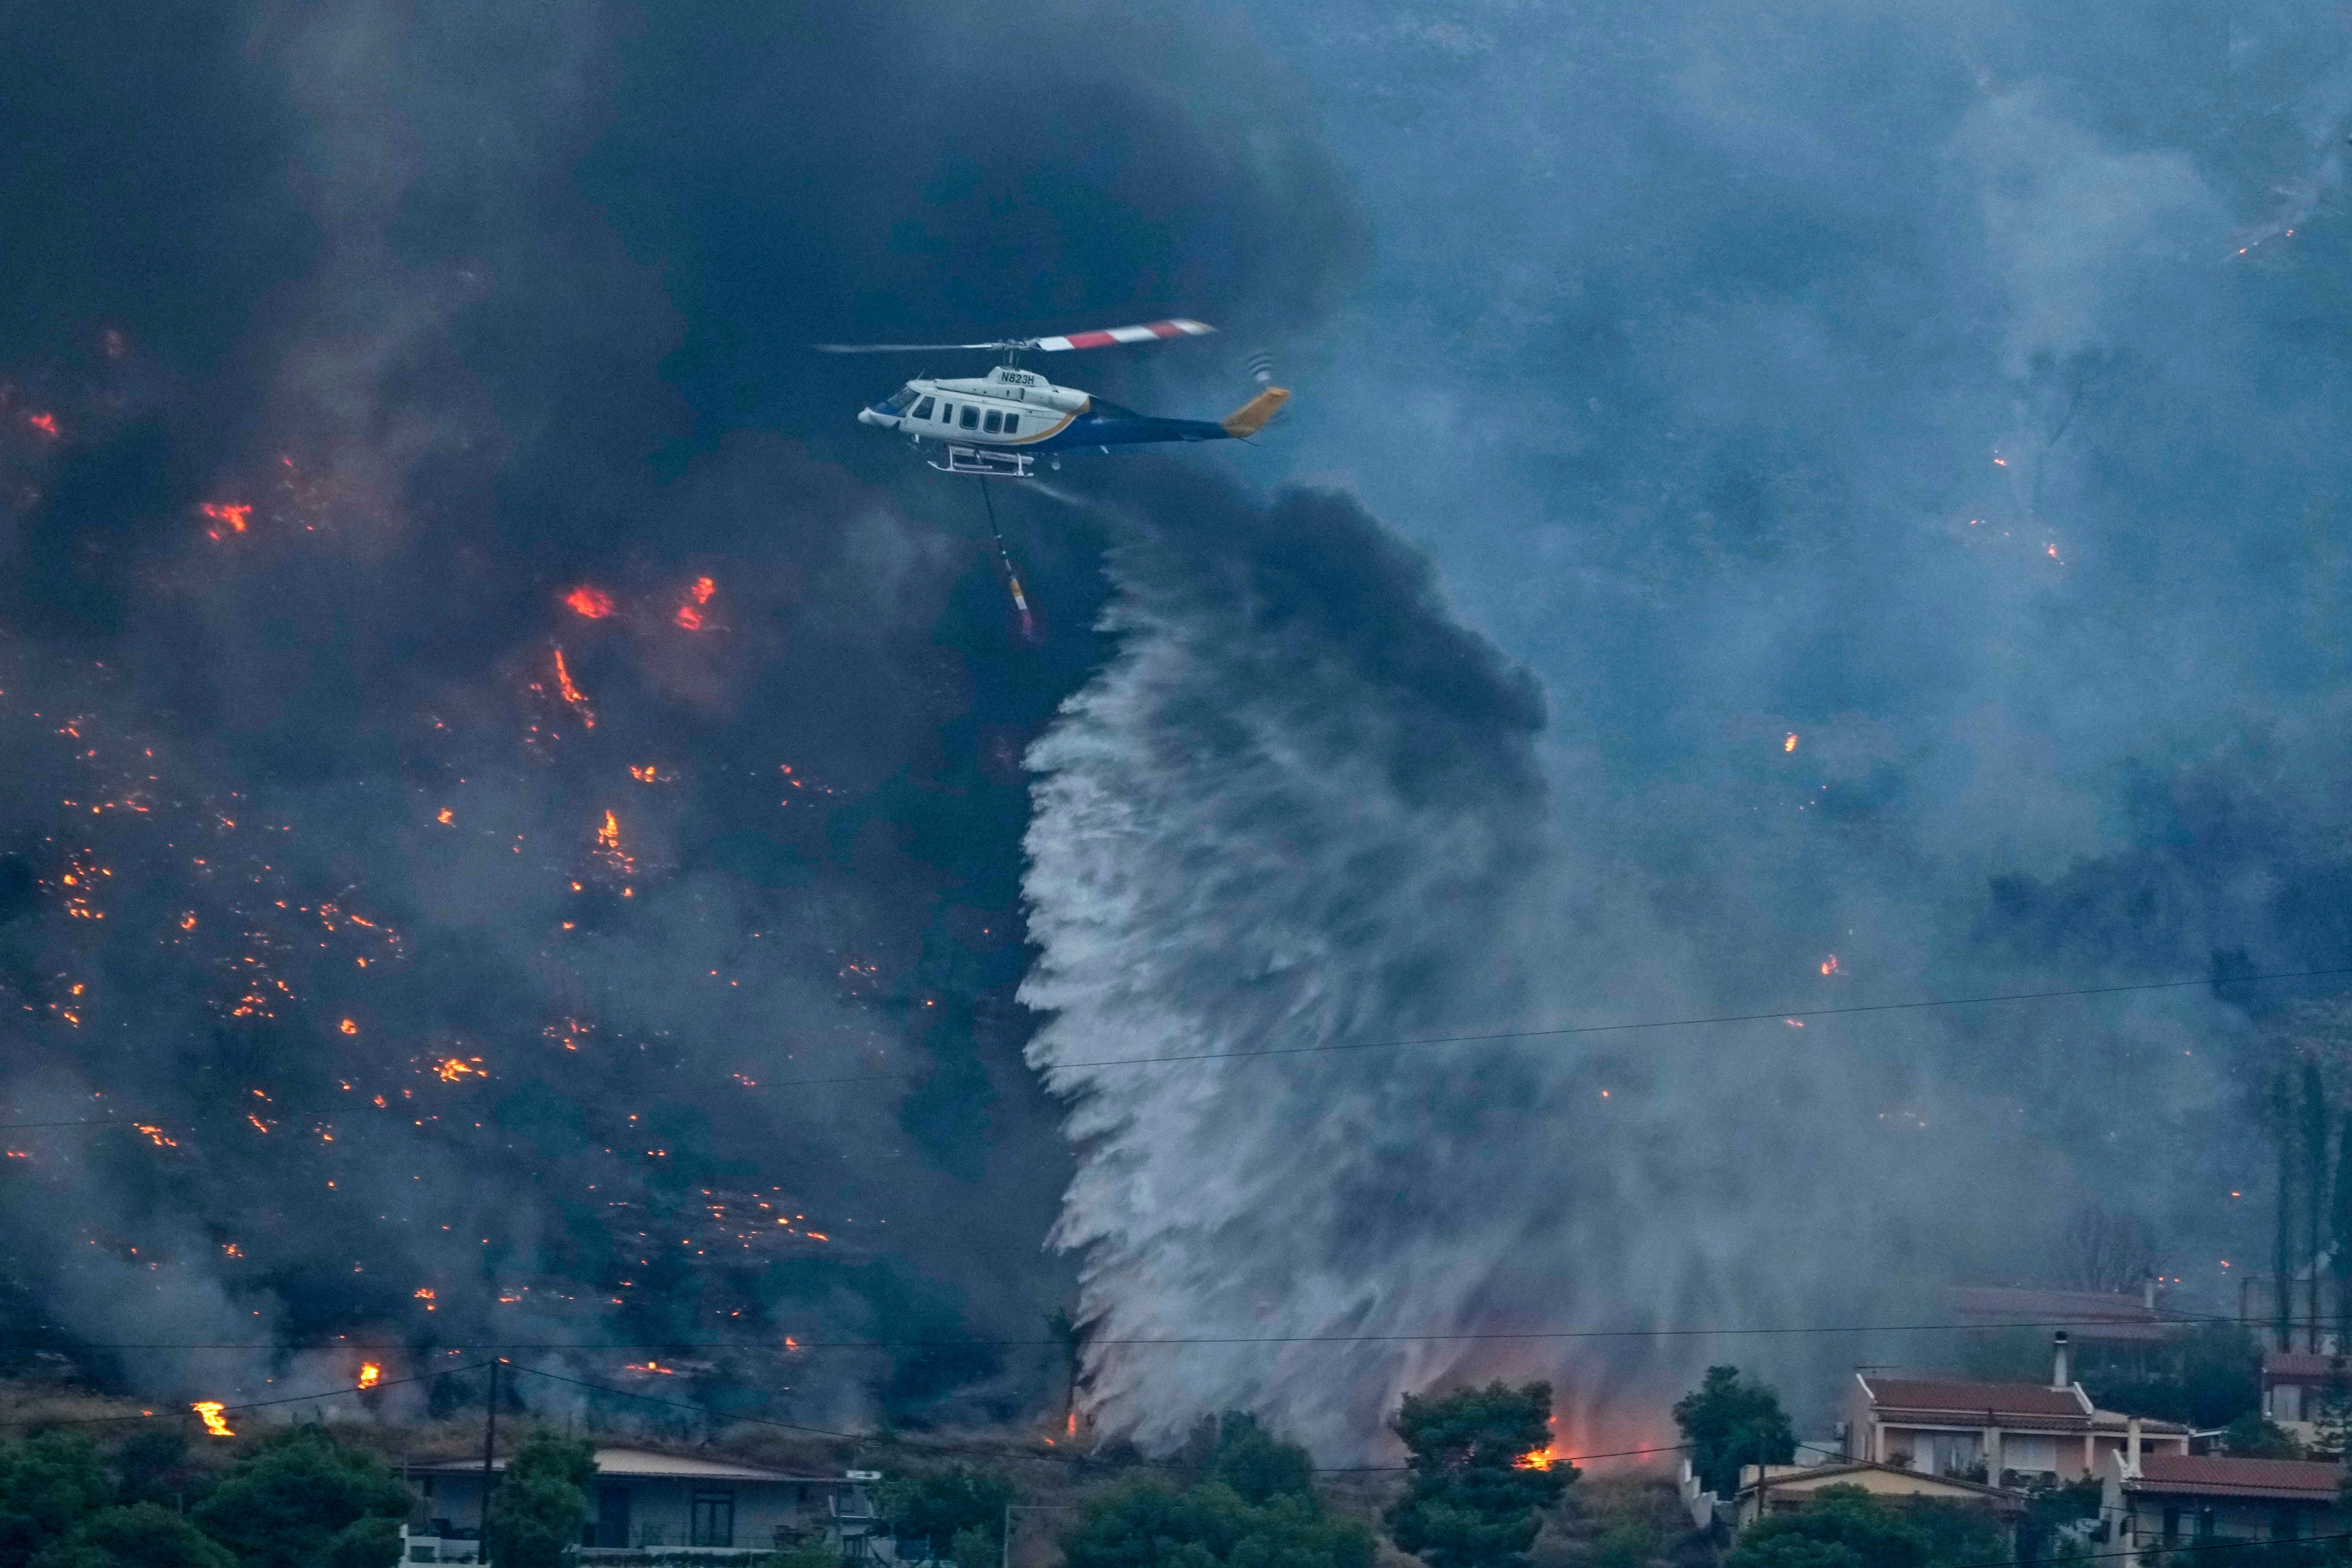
{"x": 1783, "y": 508}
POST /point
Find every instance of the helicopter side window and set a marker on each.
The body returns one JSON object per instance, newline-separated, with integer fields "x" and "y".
{"x": 922, "y": 409}
{"x": 1013, "y": 424}
{"x": 995, "y": 422}
{"x": 970, "y": 418}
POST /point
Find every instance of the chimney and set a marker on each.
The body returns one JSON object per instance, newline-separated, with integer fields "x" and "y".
{"x": 2062, "y": 1372}
{"x": 2131, "y": 1447}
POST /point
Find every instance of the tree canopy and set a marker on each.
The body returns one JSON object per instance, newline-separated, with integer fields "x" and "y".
{"x": 1258, "y": 1464}
{"x": 959, "y": 1511}
{"x": 303, "y": 1500}
{"x": 1480, "y": 1470}
{"x": 144, "y": 1535}
{"x": 1845, "y": 1527}
{"x": 47, "y": 1483}
{"x": 1727, "y": 1423}
{"x": 538, "y": 1506}
{"x": 1148, "y": 1523}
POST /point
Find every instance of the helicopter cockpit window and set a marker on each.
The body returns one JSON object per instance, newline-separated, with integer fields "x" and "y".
{"x": 900, "y": 399}
{"x": 971, "y": 420}
{"x": 922, "y": 409}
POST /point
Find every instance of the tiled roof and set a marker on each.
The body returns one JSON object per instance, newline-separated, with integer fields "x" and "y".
{"x": 2219, "y": 1476}
{"x": 641, "y": 1462}
{"x": 2291, "y": 1366}
{"x": 1975, "y": 1398}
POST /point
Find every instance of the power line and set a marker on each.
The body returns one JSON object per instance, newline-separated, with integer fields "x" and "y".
{"x": 1561, "y": 1032}
{"x": 2182, "y": 1319}
{"x": 44, "y": 1421}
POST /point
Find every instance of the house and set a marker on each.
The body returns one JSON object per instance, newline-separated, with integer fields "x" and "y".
{"x": 1787, "y": 1489}
{"x": 2102, "y": 1321}
{"x": 2298, "y": 1388}
{"x": 641, "y": 1500}
{"x": 2167, "y": 1500}
{"x": 2009, "y": 1434}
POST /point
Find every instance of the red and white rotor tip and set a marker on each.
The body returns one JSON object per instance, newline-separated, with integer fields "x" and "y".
{"x": 1145, "y": 333}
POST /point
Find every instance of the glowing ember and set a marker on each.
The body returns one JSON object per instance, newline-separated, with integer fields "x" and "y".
{"x": 1830, "y": 964}
{"x": 232, "y": 518}
{"x": 154, "y": 1135}
{"x": 231, "y": 1250}
{"x": 651, "y": 1367}
{"x": 1791, "y": 743}
{"x": 570, "y": 693}
{"x": 425, "y": 1293}
{"x": 349, "y": 1026}
{"x": 47, "y": 423}
{"x": 370, "y": 1375}
{"x": 444, "y": 816}
{"x": 702, "y": 590}
{"x": 449, "y": 1069}
{"x": 215, "y": 1416}
{"x": 690, "y": 617}
{"x": 594, "y": 604}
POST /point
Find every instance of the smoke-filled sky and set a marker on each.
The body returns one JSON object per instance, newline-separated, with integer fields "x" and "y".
{"x": 554, "y": 831}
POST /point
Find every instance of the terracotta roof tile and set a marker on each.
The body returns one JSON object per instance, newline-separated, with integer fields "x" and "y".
{"x": 1974, "y": 1398}
{"x": 2218, "y": 1474}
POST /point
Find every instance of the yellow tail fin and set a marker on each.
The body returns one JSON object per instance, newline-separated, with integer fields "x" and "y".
{"x": 1251, "y": 416}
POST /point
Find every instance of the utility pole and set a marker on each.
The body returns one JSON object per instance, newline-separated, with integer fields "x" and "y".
{"x": 490, "y": 1445}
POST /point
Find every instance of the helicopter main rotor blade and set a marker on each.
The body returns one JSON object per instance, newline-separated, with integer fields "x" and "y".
{"x": 1149, "y": 333}
{"x": 907, "y": 348}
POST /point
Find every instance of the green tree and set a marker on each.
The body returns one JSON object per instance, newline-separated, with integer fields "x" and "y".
{"x": 304, "y": 1500}
{"x": 1147, "y": 1523}
{"x": 47, "y": 1485}
{"x": 2255, "y": 1436}
{"x": 946, "y": 1507}
{"x": 144, "y": 1535}
{"x": 1254, "y": 1462}
{"x": 808, "y": 1554}
{"x": 1845, "y": 1527}
{"x": 151, "y": 1467}
{"x": 1475, "y": 1493}
{"x": 1727, "y": 1423}
{"x": 540, "y": 1501}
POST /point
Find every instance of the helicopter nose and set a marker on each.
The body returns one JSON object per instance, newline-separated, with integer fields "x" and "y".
{"x": 870, "y": 415}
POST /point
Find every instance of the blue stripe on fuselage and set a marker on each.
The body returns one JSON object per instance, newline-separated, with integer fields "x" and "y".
{"x": 1093, "y": 430}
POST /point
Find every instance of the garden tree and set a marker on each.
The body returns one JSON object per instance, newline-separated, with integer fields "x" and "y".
{"x": 539, "y": 1503}
{"x": 959, "y": 1511}
{"x": 303, "y": 1500}
{"x": 1727, "y": 1423}
{"x": 1477, "y": 1479}
{"x": 1845, "y": 1527}
{"x": 2255, "y": 1436}
{"x": 1255, "y": 1463}
{"x": 144, "y": 1535}
{"x": 151, "y": 1467}
{"x": 47, "y": 1483}
{"x": 1147, "y": 1523}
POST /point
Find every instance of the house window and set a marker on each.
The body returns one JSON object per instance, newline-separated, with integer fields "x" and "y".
{"x": 2285, "y": 1524}
{"x": 2286, "y": 1402}
{"x": 713, "y": 1522}
{"x": 970, "y": 418}
{"x": 995, "y": 422}
{"x": 1945, "y": 1453}
{"x": 923, "y": 409}
{"x": 2205, "y": 1524}
{"x": 2171, "y": 1524}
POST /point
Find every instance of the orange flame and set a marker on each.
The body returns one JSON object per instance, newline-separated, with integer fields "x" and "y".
{"x": 370, "y": 1375}
{"x": 349, "y": 1026}
{"x": 451, "y": 1069}
{"x": 702, "y": 590}
{"x": 572, "y": 693}
{"x": 215, "y": 1416}
{"x": 690, "y": 617}
{"x": 1791, "y": 743}
{"x": 425, "y": 1293}
{"x": 1542, "y": 1458}
{"x": 594, "y": 603}
{"x": 234, "y": 517}
{"x": 47, "y": 423}
{"x": 650, "y": 1366}
{"x": 1830, "y": 964}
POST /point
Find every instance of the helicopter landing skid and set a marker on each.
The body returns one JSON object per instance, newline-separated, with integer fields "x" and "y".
{"x": 986, "y": 463}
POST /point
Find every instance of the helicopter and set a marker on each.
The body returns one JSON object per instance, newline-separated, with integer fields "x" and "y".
{"x": 995, "y": 425}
